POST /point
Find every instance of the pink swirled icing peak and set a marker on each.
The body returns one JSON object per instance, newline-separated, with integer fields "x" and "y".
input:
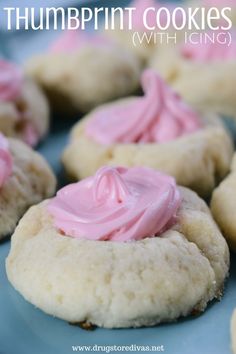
{"x": 11, "y": 81}
{"x": 72, "y": 40}
{"x": 159, "y": 116}
{"x": 117, "y": 204}
{"x": 210, "y": 51}
{"x": 5, "y": 161}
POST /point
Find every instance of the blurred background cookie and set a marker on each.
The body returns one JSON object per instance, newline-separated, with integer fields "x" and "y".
{"x": 25, "y": 179}
{"x": 142, "y": 40}
{"x": 223, "y": 206}
{"x": 217, "y": 4}
{"x": 24, "y": 110}
{"x": 81, "y": 71}
{"x": 203, "y": 73}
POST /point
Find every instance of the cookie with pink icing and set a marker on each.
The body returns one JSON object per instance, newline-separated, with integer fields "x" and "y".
{"x": 157, "y": 130}
{"x": 203, "y": 71}
{"x": 220, "y": 4}
{"x": 25, "y": 179}
{"x": 217, "y": 4}
{"x": 5, "y": 161}
{"x": 24, "y": 111}
{"x": 73, "y": 40}
{"x": 81, "y": 71}
{"x": 11, "y": 81}
{"x": 213, "y": 51}
{"x": 139, "y": 17}
{"x": 118, "y": 250}
{"x": 149, "y": 41}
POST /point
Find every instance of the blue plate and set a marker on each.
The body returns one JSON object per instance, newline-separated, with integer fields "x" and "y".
{"x": 26, "y": 330}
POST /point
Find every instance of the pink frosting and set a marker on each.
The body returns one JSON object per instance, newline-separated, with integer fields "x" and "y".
{"x": 72, "y": 40}
{"x": 11, "y": 80}
{"x": 159, "y": 116}
{"x": 11, "y": 83}
{"x": 208, "y": 52}
{"x": 30, "y": 134}
{"x": 5, "y": 161}
{"x": 219, "y": 3}
{"x": 140, "y": 7}
{"x": 117, "y": 204}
